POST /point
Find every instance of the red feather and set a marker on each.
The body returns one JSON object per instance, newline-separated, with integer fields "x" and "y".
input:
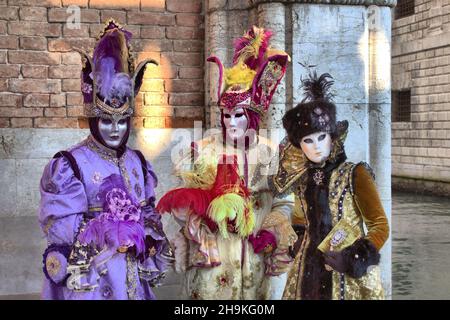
{"x": 197, "y": 200}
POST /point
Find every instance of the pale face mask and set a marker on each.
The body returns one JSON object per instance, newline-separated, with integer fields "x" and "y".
{"x": 316, "y": 146}
{"x": 112, "y": 131}
{"x": 236, "y": 123}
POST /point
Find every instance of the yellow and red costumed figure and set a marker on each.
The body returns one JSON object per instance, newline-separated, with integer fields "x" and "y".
{"x": 235, "y": 235}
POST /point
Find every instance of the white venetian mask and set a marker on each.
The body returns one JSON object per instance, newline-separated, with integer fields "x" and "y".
{"x": 316, "y": 146}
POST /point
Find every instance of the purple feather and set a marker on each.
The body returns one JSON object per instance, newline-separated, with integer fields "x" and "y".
{"x": 110, "y": 66}
{"x": 113, "y": 234}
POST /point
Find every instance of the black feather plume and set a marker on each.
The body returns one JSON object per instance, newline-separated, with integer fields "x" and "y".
{"x": 317, "y": 88}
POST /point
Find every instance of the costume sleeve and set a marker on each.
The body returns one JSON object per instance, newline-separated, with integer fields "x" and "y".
{"x": 279, "y": 223}
{"x": 63, "y": 202}
{"x": 158, "y": 256}
{"x": 364, "y": 252}
{"x": 370, "y": 206}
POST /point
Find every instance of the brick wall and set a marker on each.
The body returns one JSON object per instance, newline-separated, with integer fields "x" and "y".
{"x": 40, "y": 73}
{"x": 421, "y": 62}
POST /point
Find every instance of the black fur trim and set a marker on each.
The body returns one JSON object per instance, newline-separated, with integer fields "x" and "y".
{"x": 359, "y": 256}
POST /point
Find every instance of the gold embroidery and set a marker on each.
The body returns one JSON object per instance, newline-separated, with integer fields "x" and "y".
{"x": 52, "y": 265}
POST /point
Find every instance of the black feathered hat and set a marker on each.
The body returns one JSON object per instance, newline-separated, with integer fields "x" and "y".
{"x": 315, "y": 113}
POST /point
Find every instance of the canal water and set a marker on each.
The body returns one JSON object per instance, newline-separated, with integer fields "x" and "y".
{"x": 420, "y": 246}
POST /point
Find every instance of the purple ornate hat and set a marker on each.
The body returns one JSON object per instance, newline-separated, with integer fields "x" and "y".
{"x": 109, "y": 81}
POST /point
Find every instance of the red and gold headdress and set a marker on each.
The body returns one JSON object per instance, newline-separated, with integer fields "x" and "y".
{"x": 256, "y": 72}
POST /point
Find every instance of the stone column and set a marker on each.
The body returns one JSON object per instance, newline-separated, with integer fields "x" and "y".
{"x": 380, "y": 119}
{"x": 272, "y": 16}
{"x": 216, "y": 33}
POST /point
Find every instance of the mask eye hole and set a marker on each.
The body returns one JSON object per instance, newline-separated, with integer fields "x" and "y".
{"x": 122, "y": 121}
{"x": 238, "y": 115}
{"x": 106, "y": 121}
{"x": 308, "y": 140}
{"x": 322, "y": 136}
{"x": 227, "y": 116}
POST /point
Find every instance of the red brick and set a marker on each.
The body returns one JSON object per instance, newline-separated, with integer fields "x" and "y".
{"x": 194, "y": 6}
{"x": 9, "y": 71}
{"x": 156, "y": 99}
{"x": 191, "y": 73}
{"x": 186, "y": 59}
{"x": 58, "y": 100}
{"x": 151, "y": 45}
{"x": 64, "y": 72}
{"x": 61, "y": 15}
{"x": 181, "y": 85}
{"x": 156, "y": 56}
{"x": 154, "y": 85}
{"x": 71, "y": 85}
{"x": 83, "y": 31}
{"x": 21, "y": 123}
{"x": 188, "y": 45}
{"x": 4, "y": 123}
{"x": 10, "y": 100}
{"x": 3, "y": 27}
{"x": 153, "y": 32}
{"x": 83, "y": 123}
{"x": 33, "y": 14}
{"x": 31, "y": 85}
{"x": 37, "y": 3}
{"x": 151, "y": 18}
{"x": 9, "y": 42}
{"x": 154, "y": 111}
{"x": 162, "y": 71}
{"x": 21, "y": 112}
{"x": 56, "y": 123}
{"x": 79, "y": 3}
{"x": 153, "y": 5}
{"x": 119, "y": 16}
{"x": 116, "y": 4}
{"x": 184, "y": 33}
{"x": 67, "y": 44}
{"x": 30, "y": 28}
{"x": 74, "y": 99}
{"x": 189, "y": 20}
{"x": 30, "y": 71}
{"x": 9, "y": 13}
{"x": 36, "y": 100}
{"x": 3, "y": 56}
{"x": 3, "y": 84}
{"x": 71, "y": 58}
{"x": 182, "y": 122}
{"x": 155, "y": 122}
{"x": 55, "y": 112}
{"x": 189, "y": 112}
{"x": 96, "y": 29}
{"x": 186, "y": 99}
{"x": 75, "y": 111}
{"x": 34, "y": 57}
{"x": 33, "y": 43}
{"x": 90, "y": 16}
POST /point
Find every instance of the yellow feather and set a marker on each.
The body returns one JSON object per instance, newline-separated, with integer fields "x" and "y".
{"x": 228, "y": 206}
{"x": 202, "y": 175}
{"x": 240, "y": 74}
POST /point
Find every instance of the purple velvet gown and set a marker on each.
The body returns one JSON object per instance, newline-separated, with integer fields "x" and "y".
{"x": 78, "y": 270}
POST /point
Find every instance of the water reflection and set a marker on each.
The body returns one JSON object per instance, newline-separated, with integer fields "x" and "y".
{"x": 420, "y": 247}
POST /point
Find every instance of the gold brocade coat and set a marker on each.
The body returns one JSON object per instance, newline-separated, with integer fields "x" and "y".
{"x": 227, "y": 268}
{"x": 356, "y": 207}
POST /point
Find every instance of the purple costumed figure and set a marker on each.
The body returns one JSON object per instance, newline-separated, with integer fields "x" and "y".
{"x": 97, "y": 198}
